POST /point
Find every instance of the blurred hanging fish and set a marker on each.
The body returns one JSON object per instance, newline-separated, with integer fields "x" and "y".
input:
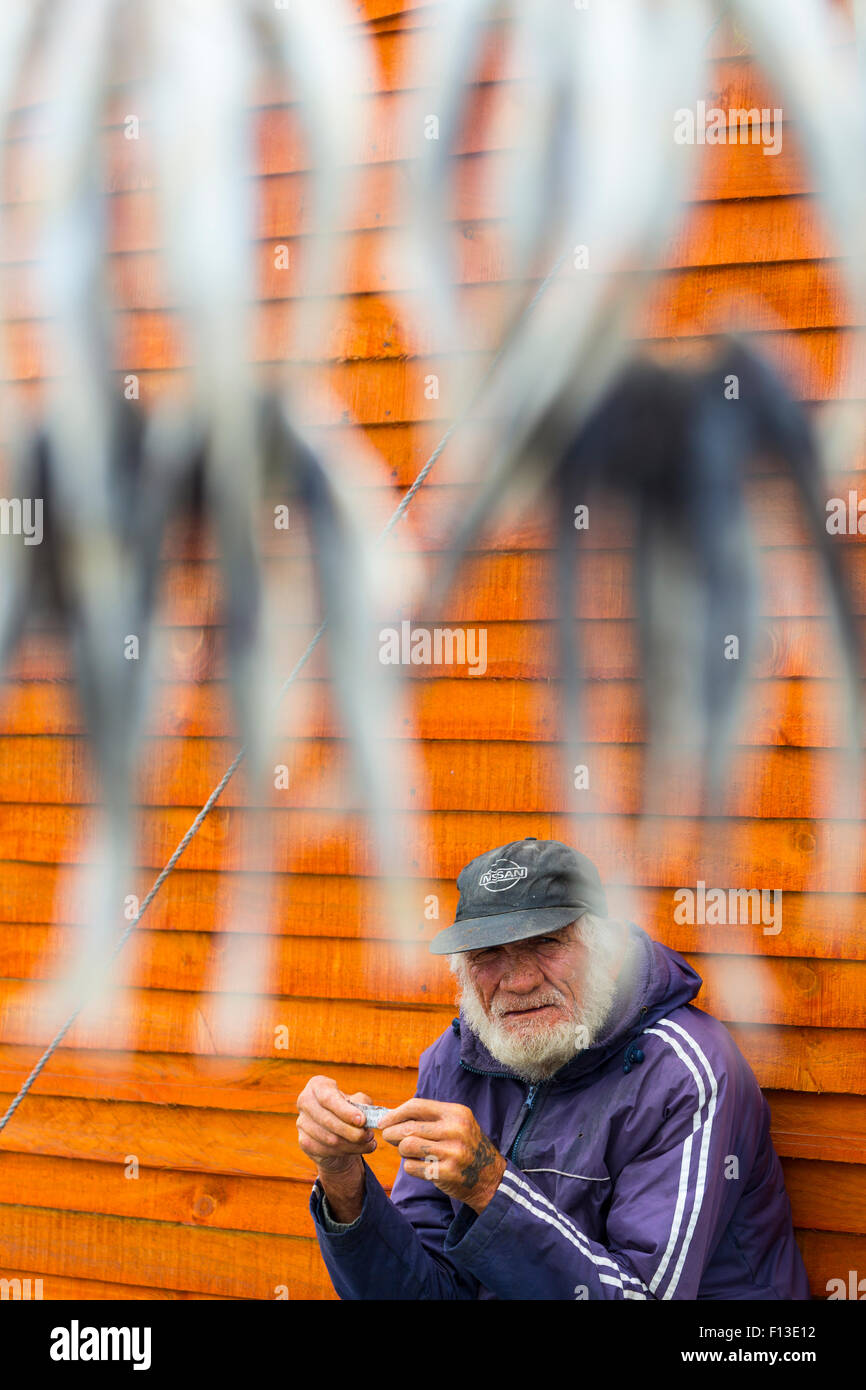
{"x": 111, "y": 472}
{"x": 674, "y": 447}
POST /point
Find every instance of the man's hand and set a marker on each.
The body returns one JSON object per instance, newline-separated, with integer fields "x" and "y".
{"x": 331, "y": 1132}
{"x": 443, "y": 1142}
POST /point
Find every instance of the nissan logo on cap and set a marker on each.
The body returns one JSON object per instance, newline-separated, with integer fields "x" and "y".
{"x": 501, "y": 875}
{"x": 544, "y": 884}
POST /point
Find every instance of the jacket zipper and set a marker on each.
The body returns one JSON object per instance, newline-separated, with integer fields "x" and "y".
{"x": 479, "y": 1072}
{"x": 528, "y": 1104}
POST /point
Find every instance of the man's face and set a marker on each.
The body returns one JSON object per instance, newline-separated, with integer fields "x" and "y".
{"x": 536, "y": 1003}
{"x": 530, "y": 985}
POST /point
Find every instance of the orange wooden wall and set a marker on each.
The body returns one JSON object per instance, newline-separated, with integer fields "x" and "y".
{"x": 219, "y": 1209}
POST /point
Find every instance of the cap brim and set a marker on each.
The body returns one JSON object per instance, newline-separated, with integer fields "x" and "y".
{"x": 475, "y": 933}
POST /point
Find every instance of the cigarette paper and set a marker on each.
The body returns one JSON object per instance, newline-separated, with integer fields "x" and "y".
{"x": 374, "y": 1115}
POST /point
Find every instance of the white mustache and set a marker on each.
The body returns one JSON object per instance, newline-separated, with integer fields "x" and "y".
{"x": 501, "y": 1009}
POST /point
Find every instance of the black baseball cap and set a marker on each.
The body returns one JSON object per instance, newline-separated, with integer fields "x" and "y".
{"x": 520, "y": 890}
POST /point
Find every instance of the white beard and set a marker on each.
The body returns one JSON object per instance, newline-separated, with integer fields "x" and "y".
{"x": 536, "y": 1051}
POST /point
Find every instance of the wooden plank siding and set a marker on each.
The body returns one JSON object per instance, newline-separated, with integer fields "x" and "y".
{"x": 219, "y": 1206}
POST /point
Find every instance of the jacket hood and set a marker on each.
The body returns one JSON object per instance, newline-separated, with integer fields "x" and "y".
{"x": 654, "y": 981}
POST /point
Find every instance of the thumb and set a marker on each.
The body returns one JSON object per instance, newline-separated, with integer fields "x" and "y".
{"x": 360, "y": 1098}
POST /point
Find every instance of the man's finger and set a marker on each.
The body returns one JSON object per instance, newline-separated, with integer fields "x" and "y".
{"x": 415, "y": 1147}
{"x": 330, "y": 1098}
{"x": 419, "y": 1109}
{"x": 324, "y": 1092}
{"x": 325, "y": 1139}
{"x": 328, "y": 1118}
{"x": 424, "y": 1129}
{"x": 421, "y": 1168}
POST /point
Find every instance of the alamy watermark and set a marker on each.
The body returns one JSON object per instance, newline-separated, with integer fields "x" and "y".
{"x": 729, "y": 906}
{"x": 77, "y": 1343}
{"x": 20, "y": 1289}
{"x": 438, "y": 646}
{"x": 846, "y": 516}
{"x": 854, "y": 1288}
{"x": 22, "y": 516}
{"x": 738, "y": 126}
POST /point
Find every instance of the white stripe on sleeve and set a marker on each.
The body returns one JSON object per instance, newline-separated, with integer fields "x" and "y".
{"x": 535, "y": 1202}
{"x": 685, "y": 1166}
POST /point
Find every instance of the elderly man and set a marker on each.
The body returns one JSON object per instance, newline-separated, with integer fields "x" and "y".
{"x": 582, "y": 1131}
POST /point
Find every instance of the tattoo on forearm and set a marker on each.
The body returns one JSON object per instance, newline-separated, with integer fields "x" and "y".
{"x": 484, "y": 1155}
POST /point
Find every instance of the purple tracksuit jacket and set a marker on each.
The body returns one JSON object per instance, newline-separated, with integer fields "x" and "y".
{"x": 643, "y": 1169}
